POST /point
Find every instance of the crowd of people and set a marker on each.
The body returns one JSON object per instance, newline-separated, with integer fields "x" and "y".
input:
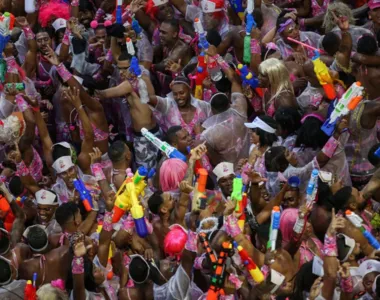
{"x": 189, "y": 149}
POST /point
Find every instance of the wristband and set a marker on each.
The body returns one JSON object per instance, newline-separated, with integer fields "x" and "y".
{"x": 29, "y": 34}
{"x": 329, "y": 246}
{"x": 129, "y": 224}
{"x": 221, "y": 62}
{"x": 255, "y": 47}
{"x": 12, "y": 66}
{"x": 330, "y": 147}
{"x": 96, "y": 170}
{"x": 77, "y": 265}
{"x": 21, "y": 103}
{"x": 191, "y": 243}
{"x": 63, "y": 72}
{"x": 99, "y": 14}
{"x": 66, "y": 37}
{"x": 35, "y": 108}
{"x": 301, "y": 22}
{"x": 107, "y": 221}
{"x": 74, "y": 3}
{"x": 346, "y": 284}
{"x": 109, "y": 56}
{"x": 22, "y": 169}
{"x": 235, "y": 280}
{"x": 299, "y": 225}
{"x": 231, "y": 226}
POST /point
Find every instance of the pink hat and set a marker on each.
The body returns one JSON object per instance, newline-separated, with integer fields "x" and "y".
{"x": 373, "y": 4}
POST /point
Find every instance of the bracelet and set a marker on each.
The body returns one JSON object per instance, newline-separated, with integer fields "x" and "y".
{"x": 128, "y": 224}
{"x": 35, "y": 108}
{"x": 22, "y": 169}
{"x": 199, "y": 261}
{"x": 74, "y": 3}
{"x": 346, "y": 284}
{"x": 231, "y": 226}
{"x": 77, "y": 265}
{"x": 63, "y": 72}
{"x": 301, "y": 22}
{"x": 96, "y": 170}
{"x": 107, "y": 221}
{"x": 21, "y": 103}
{"x": 11, "y": 65}
{"x": 330, "y": 147}
{"x": 66, "y": 37}
{"x": 255, "y": 47}
{"x": 29, "y": 34}
{"x": 329, "y": 247}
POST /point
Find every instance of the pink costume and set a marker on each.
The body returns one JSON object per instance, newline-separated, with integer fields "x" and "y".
{"x": 226, "y": 134}
{"x": 168, "y": 114}
{"x": 317, "y": 9}
{"x": 35, "y": 167}
{"x": 100, "y": 135}
{"x": 288, "y": 219}
{"x": 360, "y": 142}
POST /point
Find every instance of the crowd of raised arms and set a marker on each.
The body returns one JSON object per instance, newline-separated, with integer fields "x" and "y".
{"x": 189, "y": 149}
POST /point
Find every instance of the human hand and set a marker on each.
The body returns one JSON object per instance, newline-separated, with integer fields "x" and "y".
{"x": 185, "y": 187}
{"x": 291, "y": 157}
{"x": 71, "y": 23}
{"x": 136, "y": 5}
{"x": 148, "y": 254}
{"x": 15, "y": 155}
{"x": 299, "y": 58}
{"x": 342, "y": 126}
{"x": 342, "y": 22}
{"x": 230, "y": 206}
{"x": 292, "y": 15}
{"x": 96, "y": 155}
{"x": 10, "y": 89}
{"x": 255, "y": 177}
{"x": 51, "y": 56}
{"x": 172, "y": 66}
{"x": 336, "y": 224}
{"x": 211, "y": 51}
{"x": 110, "y": 200}
{"x": 21, "y": 22}
{"x": 72, "y": 94}
{"x": 198, "y": 151}
{"x": 344, "y": 270}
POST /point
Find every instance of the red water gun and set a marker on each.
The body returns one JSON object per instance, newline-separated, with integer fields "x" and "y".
{"x": 200, "y": 76}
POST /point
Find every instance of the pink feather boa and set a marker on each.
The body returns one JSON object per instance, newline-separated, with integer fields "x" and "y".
{"x": 53, "y": 10}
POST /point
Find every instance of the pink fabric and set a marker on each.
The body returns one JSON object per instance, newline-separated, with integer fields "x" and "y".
{"x": 100, "y": 135}
{"x": 288, "y": 219}
{"x": 330, "y": 147}
{"x": 52, "y": 11}
{"x": 330, "y": 248}
{"x": 172, "y": 172}
{"x": 316, "y": 9}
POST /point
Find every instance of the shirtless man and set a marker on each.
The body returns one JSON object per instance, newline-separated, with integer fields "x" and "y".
{"x": 120, "y": 156}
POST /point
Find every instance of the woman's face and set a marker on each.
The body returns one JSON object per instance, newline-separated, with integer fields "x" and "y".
{"x": 263, "y": 80}
{"x": 292, "y": 31}
{"x": 255, "y": 139}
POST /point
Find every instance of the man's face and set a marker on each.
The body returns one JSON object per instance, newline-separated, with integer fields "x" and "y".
{"x": 167, "y": 34}
{"x": 368, "y": 281}
{"x": 168, "y": 202}
{"x": 43, "y": 41}
{"x": 360, "y": 202}
{"x": 45, "y": 213}
{"x": 210, "y": 22}
{"x": 291, "y": 199}
{"x": 165, "y": 12}
{"x": 69, "y": 176}
{"x": 85, "y": 18}
{"x": 183, "y": 141}
{"x": 225, "y": 184}
{"x": 123, "y": 67}
{"x": 375, "y": 15}
{"x": 101, "y": 35}
{"x": 181, "y": 94}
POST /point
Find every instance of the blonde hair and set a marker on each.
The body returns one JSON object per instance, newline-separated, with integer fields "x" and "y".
{"x": 48, "y": 292}
{"x": 11, "y": 129}
{"x": 341, "y": 10}
{"x": 278, "y": 75}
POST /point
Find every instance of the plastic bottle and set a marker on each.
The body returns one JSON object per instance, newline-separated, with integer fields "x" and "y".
{"x": 214, "y": 70}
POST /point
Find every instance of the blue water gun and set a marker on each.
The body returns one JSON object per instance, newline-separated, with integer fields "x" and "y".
{"x": 119, "y": 12}
{"x": 312, "y": 187}
{"x": 247, "y": 76}
{"x": 274, "y": 227}
{"x": 84, "y": 194}
{"x": 135, "y": 67}
{"x": 203, "y": 43}
{"x": 250, "y": 23}
{"x": 136, "y": 27}
{"x": 238, "y": 8}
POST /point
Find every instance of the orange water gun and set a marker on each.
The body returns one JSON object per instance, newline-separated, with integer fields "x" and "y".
{"x": 199, "y": 197}
{"x": 252, "y": 268}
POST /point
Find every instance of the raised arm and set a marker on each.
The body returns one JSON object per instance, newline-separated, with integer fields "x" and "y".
{"x": 30, "y": 64}
{"x": 181, "y": 5}
{"x": 121, "y": 90}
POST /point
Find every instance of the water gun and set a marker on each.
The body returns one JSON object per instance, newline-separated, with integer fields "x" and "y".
{"x": 203, "y": 43}
{"x": 274, "y": 226}
{"x": 377, "y": 152}
{"x": 204, "y": 240}
{"x": 136, "y": 27}
{"x": 241, "y": 199}
{"x": 136, "y": 70}
{"x": 357, "y": 222}
{"x": 323, "y": 76}
{"x": 200, "y": 76}
{"x": 312, "y": 188}
{"x": 250, "y": 23}
{"x": 119, "y": 11}
{"x": 5, "y": 30}
{"x": 109, "y": 267}
{"x": 170, "y": 151}
{"x": 217, "y": 280}
{"x": 199, "y": 196}
{"x": 249, "y": 79}
{"x": 84, "y": 194}
{"x": 20, "y": 201}
{"x": 254, "y": 270}
{"x": 238, "y": 8}
{"x": 130, "y": 48}
{"x": 137, "y": 211}
{"x": 198, "y": 165}
{"x": 123, "y": 198}
{"x": 348, "y": 102}
{"x": 30, "y": 289}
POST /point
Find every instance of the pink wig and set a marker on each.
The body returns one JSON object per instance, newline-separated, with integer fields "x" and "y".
{"x": 288, "y": 219}
{"x": 53, "y": 10}
{"x": 172, "y": 172}
{"x": 175, "y": 241}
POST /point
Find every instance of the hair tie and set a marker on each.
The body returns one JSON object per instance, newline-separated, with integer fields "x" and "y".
{"x": 59, "y": 284}
{"x": 282, "y": 26}
{"x": 314, "y": 115}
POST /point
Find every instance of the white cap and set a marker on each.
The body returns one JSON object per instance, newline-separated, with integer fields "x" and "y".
{"x": 349, "y": 242}
{"x": 258, "y": 123}
{"x": 58, "y": 24}
{"x": 223, "y": 169}
{"x": 63, "y": 144}
{"x": 159, "y": 2}
{"x": 369, "y": 266}
{"x": 46, "y": 197}
{"x": 62, "y": 164}
{"x": 209, "y": 6}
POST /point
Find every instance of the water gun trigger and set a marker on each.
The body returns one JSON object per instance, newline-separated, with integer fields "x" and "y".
{"x": 328, "y": 128}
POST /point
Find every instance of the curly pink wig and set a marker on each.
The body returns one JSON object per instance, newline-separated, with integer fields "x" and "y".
{"x": 172, "y": 172}
{"x": 53, "y": 10}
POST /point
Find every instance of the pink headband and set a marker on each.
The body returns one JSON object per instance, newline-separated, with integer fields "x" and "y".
{"x": 314, "y": 115}
{"x": 283, "y": 25}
